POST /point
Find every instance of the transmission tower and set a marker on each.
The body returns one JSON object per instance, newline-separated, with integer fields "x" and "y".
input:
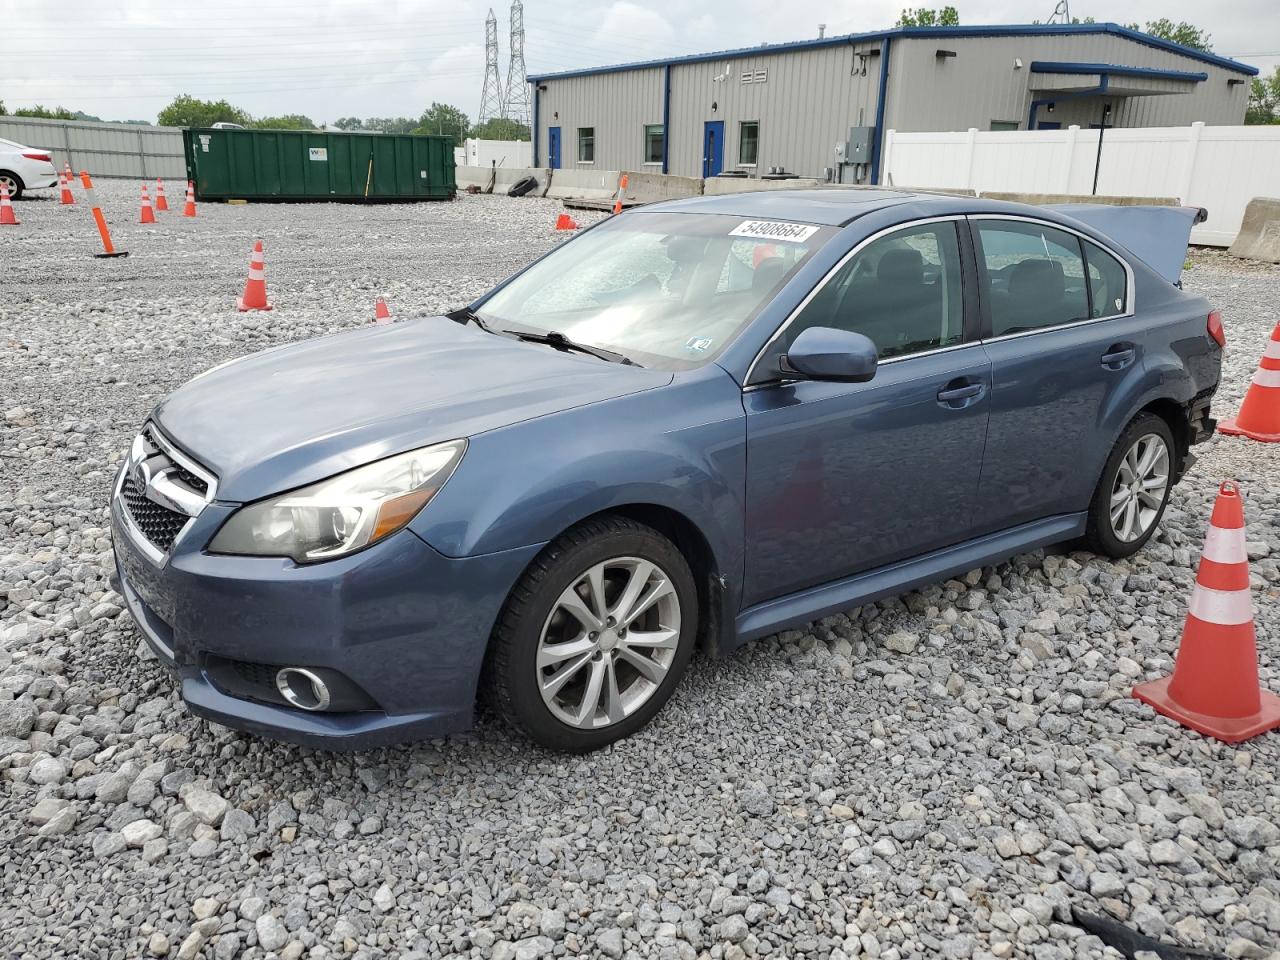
{"x": 491, "y": 94}
{"x": 516, "y": 100}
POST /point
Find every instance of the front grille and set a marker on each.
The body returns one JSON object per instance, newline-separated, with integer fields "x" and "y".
{"x": 178, "y": 471}
{"x": 158, "y": 524}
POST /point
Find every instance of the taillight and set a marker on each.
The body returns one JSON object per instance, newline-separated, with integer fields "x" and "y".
{"x": 39, "y": 156}
{"x": 1213, "y": 327}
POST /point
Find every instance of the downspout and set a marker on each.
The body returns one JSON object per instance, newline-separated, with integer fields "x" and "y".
{"x": 666, "y": 117}
{"x": 877, "y": 144}
{"x": 534, "y": 132}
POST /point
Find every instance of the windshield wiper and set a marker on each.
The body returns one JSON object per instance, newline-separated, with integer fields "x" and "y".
{"x": 558, "y": 340}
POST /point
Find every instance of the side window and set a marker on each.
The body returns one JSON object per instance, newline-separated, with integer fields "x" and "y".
{"x": 904, "y": 291}
{"x": 1035, "y": 275}
{"x": 1108, "y": 282}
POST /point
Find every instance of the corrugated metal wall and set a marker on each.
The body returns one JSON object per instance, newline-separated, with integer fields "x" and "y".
{"x": 812, "y": 97}
{"x": 104, "y": 149}
{"x": 981, "y": 84}
{"x": 808, "y": 102}
{"x": 616, "y": 105}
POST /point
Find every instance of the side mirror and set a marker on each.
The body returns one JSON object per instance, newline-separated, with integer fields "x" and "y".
{"x": 825, "y": 353}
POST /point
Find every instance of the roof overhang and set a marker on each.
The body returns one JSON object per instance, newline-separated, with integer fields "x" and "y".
{"x": 1117, "y": 80}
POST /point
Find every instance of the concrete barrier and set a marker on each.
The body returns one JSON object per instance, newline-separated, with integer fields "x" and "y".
{"x": 583, "y": 184}
{"x": 1259, "y": 236}
{"x": 646, "y": 187}
{"x": 719, "y": 186}
{"x": 1041, "y": 199}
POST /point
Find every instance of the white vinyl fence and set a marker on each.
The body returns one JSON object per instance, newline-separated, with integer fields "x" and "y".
{"x": 1218, "y": 168}
{"x": 104, "y": 149}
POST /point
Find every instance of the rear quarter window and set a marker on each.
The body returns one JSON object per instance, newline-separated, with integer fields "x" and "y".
{"x": 1108, "y": 282}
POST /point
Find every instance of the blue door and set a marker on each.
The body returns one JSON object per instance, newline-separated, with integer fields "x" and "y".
{"x": 553, "y": 147}
{"x": 713, "y": 148}
{"x": 845, "y": 477}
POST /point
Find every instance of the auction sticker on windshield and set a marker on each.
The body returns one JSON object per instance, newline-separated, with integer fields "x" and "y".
{"x": 774, "y": 230}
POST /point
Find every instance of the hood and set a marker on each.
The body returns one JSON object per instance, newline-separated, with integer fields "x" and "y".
{"x": 1158, "y": 236}
{"x": 296, "y": 414}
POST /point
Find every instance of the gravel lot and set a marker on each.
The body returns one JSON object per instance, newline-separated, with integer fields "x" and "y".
{"x": 945, "y": 774}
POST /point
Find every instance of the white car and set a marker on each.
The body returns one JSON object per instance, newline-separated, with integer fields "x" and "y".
{"x": 25, "y": 168}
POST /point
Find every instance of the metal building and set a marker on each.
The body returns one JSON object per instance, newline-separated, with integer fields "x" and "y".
{"x": 819, "y": 108}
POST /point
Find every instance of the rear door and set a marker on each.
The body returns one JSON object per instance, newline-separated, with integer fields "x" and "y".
{"x": 845, "y": 477}
{"x": 1058, "y": 325}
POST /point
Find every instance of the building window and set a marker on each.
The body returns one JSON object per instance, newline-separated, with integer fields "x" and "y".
{"x": 748, "y": 143}
{"x": 586, "y": 144}
{"x": 654, "y": 140}
{"x": 1004, "y": 124}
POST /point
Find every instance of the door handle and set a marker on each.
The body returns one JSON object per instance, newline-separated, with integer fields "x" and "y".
{"x": 1119, "y": 356}
{"x": 961, "y": 393}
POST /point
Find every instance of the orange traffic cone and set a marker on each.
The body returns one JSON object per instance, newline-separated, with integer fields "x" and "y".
{"x": 1214, "y": 686}
{"x": 68, "y": 197}
{"x": 161, "y": 202}
{"x": 255, "y": 288}
{"x": 66, "y": 168}
{"x": 1259, "y": 416}
{"x": 380, "y": 312}
{"x": 190, "y": 209}
{"x": 148, "y": 215}
{"x": 566, "y": 222}
{"x": 617, "y": 197}
{"x": 7, "y": 219}
{"x": 108, "y": 248}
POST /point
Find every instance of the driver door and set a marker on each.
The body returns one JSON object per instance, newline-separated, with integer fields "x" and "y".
{"x": 846, "y": 477}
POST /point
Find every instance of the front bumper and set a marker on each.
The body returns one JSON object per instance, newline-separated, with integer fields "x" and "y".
{"x": 406, "y": 624}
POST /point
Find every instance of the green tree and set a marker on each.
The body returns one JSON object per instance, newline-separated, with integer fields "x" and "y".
{"x": 441, "y": 118}
{"x": 1264, "y": 99}
{"x": 1180, "y": 32}
{"x": 924, "y": 17}
{"x": 45, "y": 113}
{"x": 390, "y": 124}
{"x": 349, "y": 123}
{"x": 500, "y": 129}
{"x": 187, "y": 111}
{"x": 290, "y": 121}
{"x": 3, "y": 111}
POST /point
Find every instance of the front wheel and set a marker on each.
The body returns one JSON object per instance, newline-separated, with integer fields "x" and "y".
{"x": 1133, "y": 490}
{"x": 595, "y": 637}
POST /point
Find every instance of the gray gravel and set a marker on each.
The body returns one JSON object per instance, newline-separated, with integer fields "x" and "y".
{"x": 943, "y": 774}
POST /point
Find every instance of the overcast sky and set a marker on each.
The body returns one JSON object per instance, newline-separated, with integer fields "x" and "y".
{"x": 334, "y": 58}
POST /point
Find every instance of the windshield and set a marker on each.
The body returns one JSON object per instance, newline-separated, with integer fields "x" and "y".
{"x": 670, "y": 290}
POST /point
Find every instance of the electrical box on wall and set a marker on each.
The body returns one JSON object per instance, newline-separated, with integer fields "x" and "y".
{"x": 858, "y": 149}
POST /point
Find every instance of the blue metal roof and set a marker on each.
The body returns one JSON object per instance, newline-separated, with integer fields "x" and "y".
{"x": 1115, "y": 70}
{"x": 1000, "y": 30}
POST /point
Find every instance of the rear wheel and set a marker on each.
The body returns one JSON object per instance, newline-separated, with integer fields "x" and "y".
{"x": 1133, "y": 490}
{"x": 595, "y": 637}
{"x": 12, "y": 182}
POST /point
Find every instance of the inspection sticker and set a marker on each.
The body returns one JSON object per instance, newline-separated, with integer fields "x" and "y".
{"x": 774, "y": 230}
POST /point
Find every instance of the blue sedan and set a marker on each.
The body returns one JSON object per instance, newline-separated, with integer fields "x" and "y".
{"x": 696, "y": 424}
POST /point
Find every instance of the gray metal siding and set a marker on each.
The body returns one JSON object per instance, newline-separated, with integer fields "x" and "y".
{"x": 808, "y": 103}
{"x": 814, "y": 95}
{"x": 617, "y": 105}
{"x": 981, "y": 84}
{"x": 104, "y": 149}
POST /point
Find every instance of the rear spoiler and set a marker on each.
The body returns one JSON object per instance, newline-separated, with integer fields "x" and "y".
{"x": 1156, "y": 235}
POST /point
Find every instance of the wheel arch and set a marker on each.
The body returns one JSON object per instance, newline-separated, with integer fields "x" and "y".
{"x": 22, "y": 184}
{"x": 1174, "y": 413}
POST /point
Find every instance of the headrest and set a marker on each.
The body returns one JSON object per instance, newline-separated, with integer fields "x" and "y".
{"x": 1037, "y": 279}
{"x": 901, "y": 267}
{"x": 767, "y": 274}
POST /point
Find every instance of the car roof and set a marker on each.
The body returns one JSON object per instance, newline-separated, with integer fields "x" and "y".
{"x": 832, "y": 207}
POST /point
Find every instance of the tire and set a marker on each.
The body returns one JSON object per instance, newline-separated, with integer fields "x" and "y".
{"x": 522, "y": 186}
{"x": 13, "y": 182}
{"x": 535, "y": 628}
{"x": 1128, "y": 535}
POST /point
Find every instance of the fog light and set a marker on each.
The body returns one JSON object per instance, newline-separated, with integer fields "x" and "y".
{"x": 303, "y": 688}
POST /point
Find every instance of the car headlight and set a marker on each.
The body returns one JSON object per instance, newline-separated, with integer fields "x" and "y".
{"x": 344, "y": 513}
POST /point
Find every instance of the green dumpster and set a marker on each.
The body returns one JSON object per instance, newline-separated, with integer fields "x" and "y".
{"x": 227, "y": 164}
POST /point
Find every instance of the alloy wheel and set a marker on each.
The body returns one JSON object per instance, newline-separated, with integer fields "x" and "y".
{"x": 1142, "y": 480}
{"x": 608, "y": 642}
